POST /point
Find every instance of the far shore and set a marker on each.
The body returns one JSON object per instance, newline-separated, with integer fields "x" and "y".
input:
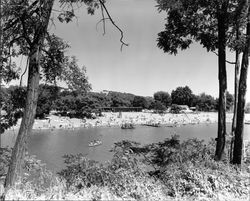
{"x": 110, "y": 119}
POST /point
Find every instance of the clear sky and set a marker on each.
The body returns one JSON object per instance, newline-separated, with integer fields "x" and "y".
{"x": 141, "y": 68}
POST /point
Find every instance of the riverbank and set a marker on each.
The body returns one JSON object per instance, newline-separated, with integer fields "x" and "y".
{"x": 110, "y": 119}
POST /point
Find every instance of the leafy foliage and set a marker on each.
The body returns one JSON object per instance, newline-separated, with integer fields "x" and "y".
{"x": 158, "y": 106}
{"x": 53, "y": 58}
{"x": 175, "y": 109}
{"x": 5, "y": 154}
{"x": 163, "y": 97}
{"x": 229, "y": 101}
{"x": 140, "y": 101}
{"x": 196, "y": 21}
{"x": 79, "y": 106}
{"x": 182, "y": 96}
{"x": 122, "y": 176}
{"x": 13, "y": 102}
{"x": 69, "y": 13}
{"x": 35, "y": 180}
{"x": 168, "y": 170}
{"x": 205, "y": 102}
{"x": 46, "y": 98}
{"x": 187, "y": 168}
{"x": 74, "y": 76}
{"x": 121, "y": 99}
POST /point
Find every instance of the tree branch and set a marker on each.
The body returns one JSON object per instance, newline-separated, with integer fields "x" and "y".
{"x": 230, "y": 62}
{"x": 102, "y": 20}
{"x": 25, "y": 35}
{"x": 11, "y": 24}
{"x": 112, "y": 21}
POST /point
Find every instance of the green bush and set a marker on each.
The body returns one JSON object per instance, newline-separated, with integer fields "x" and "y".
{"x": 188, "y": 169}
{"x": 123, "y": 176}
{"x": 168, "y": 170}
{"x": 175, "y": 109}
{"x": 5, "y": 154}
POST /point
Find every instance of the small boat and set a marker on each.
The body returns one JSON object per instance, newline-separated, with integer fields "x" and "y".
{"x": 247, "y": 122}
{"x": 127, "y": 126}
{"x": 95, "y": 143}
{"x": 153, "y": 124}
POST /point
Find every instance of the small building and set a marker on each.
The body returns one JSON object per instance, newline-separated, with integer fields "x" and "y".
{"x": 185, "y": 109}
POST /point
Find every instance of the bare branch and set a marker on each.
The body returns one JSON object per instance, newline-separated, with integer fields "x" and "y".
{"x": 103, "y": 20}
{"x": 112, "y": 21}
{"x": 230, "y": 62}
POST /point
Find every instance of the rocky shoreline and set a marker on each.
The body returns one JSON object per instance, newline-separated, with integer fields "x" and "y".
{"x": 110, "y": 119}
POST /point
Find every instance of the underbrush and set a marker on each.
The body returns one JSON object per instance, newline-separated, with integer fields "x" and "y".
{"x": 169, "y": 170}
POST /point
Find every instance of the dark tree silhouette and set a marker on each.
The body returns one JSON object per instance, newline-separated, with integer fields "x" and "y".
{"x": 163, "y": 97}
{"x": 206, "y": 22}
{"x": 238, "y": 143}
{"x": 182, "y": 96}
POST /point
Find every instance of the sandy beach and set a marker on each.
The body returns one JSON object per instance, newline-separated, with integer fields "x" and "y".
{"x": 110, "y": 119}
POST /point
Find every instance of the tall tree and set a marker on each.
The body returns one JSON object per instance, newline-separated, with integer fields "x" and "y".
{"x": 140, "y": 101}
{"x": 182, "y": 96}
{"x": 7, "y": 68}
{"x": 237, "y": 45}
{"x": 222, "y": 17}
{"x": 238, "y": 143}
{"x": 163, "y": 97}
{"x": 35, "y": 41}
{"x": 206, "y": 22}
{"x": 28, "y": 22}
{"x": 74, "y": 76}
{"x": 205, "y": 102}
{"x": 1, "y": 66}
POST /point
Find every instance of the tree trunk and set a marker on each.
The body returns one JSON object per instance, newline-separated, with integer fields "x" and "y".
{"x": 1, "y": 64}
{"x": 28, "y": 118}
{"x": 32, "y": 96}
{"x": 221, "y": 138}
{"x": 236, "y": 82}
{"x": 236, "y": 87}
{"x": 238, "y": 142}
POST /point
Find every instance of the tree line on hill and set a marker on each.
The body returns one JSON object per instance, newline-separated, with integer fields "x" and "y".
{"x": 74, "y": 103}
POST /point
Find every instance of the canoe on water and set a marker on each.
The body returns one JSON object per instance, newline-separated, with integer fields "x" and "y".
{"x": 95, "y": 143}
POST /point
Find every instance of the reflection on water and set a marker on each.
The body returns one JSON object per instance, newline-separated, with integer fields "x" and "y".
{"x": 50, "y": 146}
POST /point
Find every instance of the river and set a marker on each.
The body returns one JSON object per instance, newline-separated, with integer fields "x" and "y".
{"x": 50, "y": 145}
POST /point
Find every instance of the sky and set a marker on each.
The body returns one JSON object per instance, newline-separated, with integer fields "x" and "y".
{"x": 141, "y": 68}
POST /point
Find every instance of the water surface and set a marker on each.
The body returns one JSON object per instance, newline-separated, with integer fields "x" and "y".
{"x": 50, "y": 145}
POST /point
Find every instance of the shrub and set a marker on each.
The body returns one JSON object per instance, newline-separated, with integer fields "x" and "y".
{"x": 175, "y": 109}
{"x": 122, "y": 176}
{"x": 169, "y": 170}
{"x": 187, "y": 169}
{"x": 5, "y": 154}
